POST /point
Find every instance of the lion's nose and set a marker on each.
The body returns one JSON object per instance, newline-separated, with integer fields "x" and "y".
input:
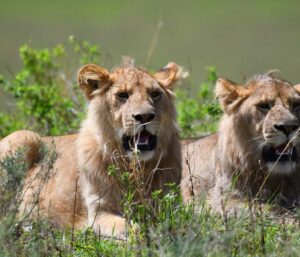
{"x": 144, "y": 117}
{"x": 286, "y": 128}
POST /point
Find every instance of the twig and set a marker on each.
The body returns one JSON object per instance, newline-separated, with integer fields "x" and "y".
{"x": 74, "y": 213}
{"x": 154, "y": 41}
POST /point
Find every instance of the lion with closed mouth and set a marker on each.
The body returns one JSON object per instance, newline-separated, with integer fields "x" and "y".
{"x": 131, "y": 121}
{"x": 256, "y": 152}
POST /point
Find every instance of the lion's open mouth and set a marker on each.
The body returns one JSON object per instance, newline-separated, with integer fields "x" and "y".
{"x": 143, "y": 141}
{"x": 281, "y": 153}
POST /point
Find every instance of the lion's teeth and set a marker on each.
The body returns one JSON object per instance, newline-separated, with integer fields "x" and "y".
{"x": 287, "y": 150}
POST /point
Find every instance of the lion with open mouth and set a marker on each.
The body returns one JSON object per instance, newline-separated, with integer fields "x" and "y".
{"x": 255, "y": 154}
{"x": 130, "y": 124}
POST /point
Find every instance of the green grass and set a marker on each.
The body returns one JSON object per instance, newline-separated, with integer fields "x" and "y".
{"x": 179, "y": 231}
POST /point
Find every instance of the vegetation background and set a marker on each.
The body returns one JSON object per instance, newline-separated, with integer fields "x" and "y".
{"x": 238, "y": 37}
{"x": 42, "y": 46}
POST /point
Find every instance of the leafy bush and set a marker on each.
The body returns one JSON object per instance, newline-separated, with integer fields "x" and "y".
{"x": 13, "y": 239}
{"x": 47, "y": 99}
{"x": 198, "y": 115}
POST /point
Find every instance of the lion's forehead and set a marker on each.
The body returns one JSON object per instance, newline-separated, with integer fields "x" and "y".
{"x": 128, "y": 78}
{"x": 283, "y": 92}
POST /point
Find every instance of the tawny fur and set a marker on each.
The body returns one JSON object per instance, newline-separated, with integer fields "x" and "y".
{"x": 228, "y": 168}
{"x": 80, "y": 192}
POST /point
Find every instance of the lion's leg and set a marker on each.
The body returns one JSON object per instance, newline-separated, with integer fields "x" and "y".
{"x": 102, "y": 215}
{"x": 104, "y": 221}
{"x": 234, "y": 204}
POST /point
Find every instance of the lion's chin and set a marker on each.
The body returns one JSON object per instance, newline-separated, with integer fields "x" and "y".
{"x": 142, "y": 156}
{"x": 281, "y": 168}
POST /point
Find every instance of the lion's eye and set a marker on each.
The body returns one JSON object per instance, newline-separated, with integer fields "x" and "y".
{"x": 123, "y": 96}
{"x": 263, "y": 107}
{"x": 155, "y": 95}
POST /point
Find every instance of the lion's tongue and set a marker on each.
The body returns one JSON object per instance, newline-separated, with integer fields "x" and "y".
{"x": 142, "y": 138}
{"x": 284, "y": 149}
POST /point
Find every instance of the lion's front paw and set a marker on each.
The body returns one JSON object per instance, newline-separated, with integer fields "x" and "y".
{"x": 111, "y": 226}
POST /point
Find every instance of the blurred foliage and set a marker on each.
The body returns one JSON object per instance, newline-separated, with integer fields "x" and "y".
{"x": 47, "y": 98}
{"x": 198, "y": 115}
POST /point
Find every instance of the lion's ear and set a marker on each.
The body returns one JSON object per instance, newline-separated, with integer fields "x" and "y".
{"x": 297, "y": 87}
{"x": 93, "y": 79}
{"x": 230, "y": 94}
{"x": 168, "y": 75}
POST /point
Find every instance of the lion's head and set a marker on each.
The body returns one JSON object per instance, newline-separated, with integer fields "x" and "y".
{"x": 132, "y": 108}
{"x": 265, "y": 115}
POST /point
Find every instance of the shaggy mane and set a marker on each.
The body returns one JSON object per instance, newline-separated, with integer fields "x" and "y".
{"x": 126, "y": 63}
{"x": 270, "y": 77}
